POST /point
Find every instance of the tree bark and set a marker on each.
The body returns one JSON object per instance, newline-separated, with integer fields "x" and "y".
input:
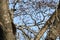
{"x": 5, "y": 21}
{"x": 55, "y": 29}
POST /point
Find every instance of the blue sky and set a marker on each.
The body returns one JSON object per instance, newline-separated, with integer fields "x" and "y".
{"x": 37, "y": 15}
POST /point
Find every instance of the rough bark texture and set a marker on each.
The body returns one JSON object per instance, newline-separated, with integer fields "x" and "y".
{"x": 5, "y": 21}
{"x": 55, "y": 29}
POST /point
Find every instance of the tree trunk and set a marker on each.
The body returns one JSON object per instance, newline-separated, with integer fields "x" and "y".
{"x": 5, "y": 21}
{"x": 55, "y": 29}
